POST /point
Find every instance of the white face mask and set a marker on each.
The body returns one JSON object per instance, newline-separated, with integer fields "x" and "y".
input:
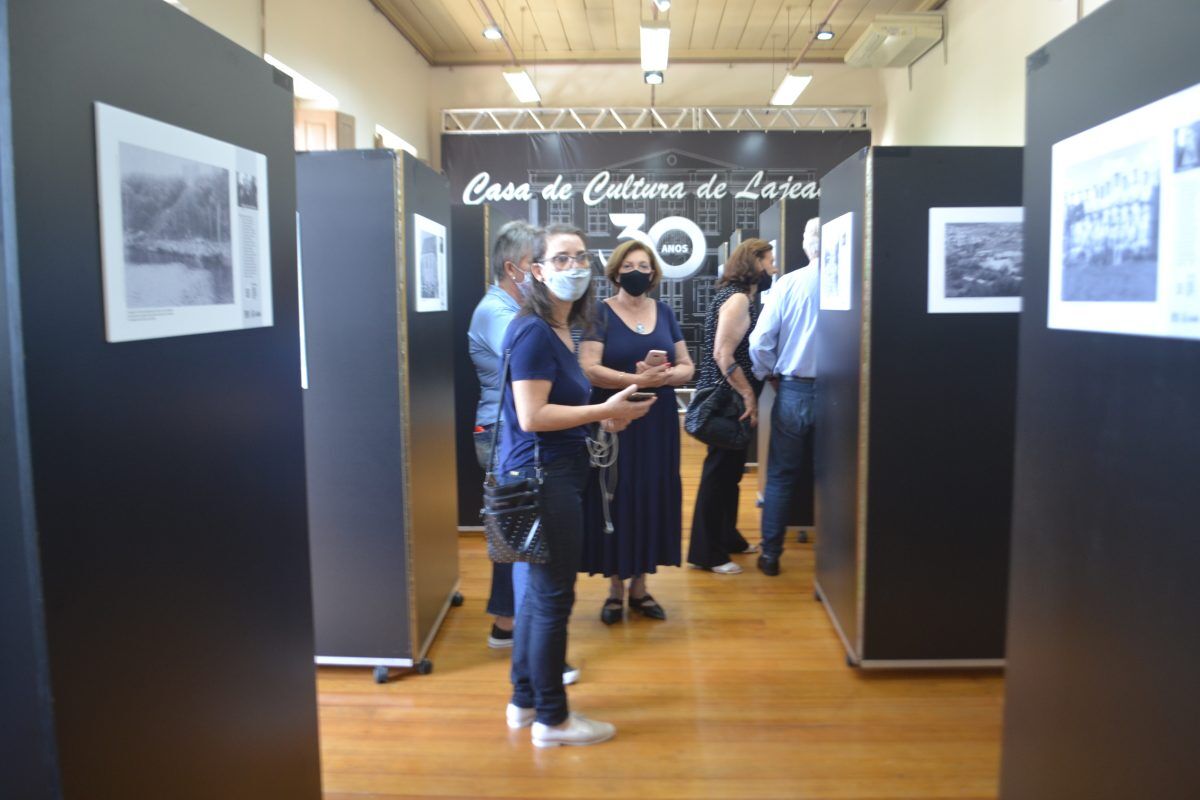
{"x": 568, "y": 285}
{"x": 525, "y": 285}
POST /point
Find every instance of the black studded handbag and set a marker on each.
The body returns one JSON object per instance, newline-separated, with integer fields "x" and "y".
{"x": 713, "y": 416}
{"x": 512, "y": 512}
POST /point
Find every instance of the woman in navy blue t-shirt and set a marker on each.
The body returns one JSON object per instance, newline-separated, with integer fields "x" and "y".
{"x": 544, "y": 421}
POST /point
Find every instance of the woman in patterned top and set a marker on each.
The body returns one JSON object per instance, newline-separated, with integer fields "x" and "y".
{"x": 727, "y": 327}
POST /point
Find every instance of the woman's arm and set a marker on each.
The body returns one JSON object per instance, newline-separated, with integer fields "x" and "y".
{"x": 536, "y": 413}
{"x": 683, "y": 369}
{"x": 591, "y": 353}
{"x": 732, "y": 323}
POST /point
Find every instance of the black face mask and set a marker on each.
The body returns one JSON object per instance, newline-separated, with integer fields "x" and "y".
{"x": 764, "y": 282}
{"x": 636, "y": 283}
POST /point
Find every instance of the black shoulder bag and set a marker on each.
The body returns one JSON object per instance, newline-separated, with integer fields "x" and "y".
{"x": 713, "y": 416}
{"x": 512, "y": 513}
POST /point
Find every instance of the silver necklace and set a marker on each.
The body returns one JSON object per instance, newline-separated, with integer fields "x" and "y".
{"x": 640, "y": 328}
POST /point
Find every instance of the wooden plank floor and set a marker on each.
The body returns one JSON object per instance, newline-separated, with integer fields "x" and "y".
{"x": 742, "y": 693}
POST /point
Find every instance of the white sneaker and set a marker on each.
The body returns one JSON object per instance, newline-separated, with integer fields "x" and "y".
{"x": 751, "y": 549}
{"x": 728, "y": 568}
{"x": 570, "y": 674}
{"x": 578, "y": 731}
{"x": 518, "y": 717}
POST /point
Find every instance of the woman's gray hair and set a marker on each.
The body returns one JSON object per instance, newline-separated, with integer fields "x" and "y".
{"x": 516, "y": 241}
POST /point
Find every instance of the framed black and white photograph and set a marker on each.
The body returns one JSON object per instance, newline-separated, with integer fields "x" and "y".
{"x": 975, "y": 260}
{"x": 1124, "y": 244}
{"x": 837, "y": 257}
{"x": 180, "y": 222}
{"x": 430, "y": 283}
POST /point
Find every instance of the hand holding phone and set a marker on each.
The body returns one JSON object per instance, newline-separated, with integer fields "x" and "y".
{"x": 641, "y": 397}
{"x": 655, "y": 358}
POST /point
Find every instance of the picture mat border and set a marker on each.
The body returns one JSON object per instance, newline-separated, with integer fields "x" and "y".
{"x": 939, "y": 217}
{"x": 116, "y": 126}
{"x": 830, "y": 230}
{"x": 1121, "y": 317}
{"x": 425, "y": 225}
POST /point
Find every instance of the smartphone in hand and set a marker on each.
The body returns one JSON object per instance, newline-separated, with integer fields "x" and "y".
{"x": 655, "y": 358}
{"x": 641, "y": 397}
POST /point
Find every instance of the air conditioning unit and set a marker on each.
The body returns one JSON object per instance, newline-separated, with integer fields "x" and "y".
{"x": 895, "y": 40}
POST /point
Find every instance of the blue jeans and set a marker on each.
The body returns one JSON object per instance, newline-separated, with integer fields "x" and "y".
{"x": 500, "y": 601}
{"x": 545, "y": 594}
{"x": 789, "y": 460}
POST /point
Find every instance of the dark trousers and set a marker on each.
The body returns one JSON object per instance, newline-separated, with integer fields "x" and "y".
{"x": 714, "y": 521}
{"x": 500, "y": 601}
{"x": 789, "y": 460}
{"x": 545, "y": 594}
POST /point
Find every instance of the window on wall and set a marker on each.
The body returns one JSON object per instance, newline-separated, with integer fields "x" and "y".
{"x": 703, "y": 287}
{"x": 671, "y": 293}
{"x": 672, "y": 207}
{"x": 560, "y": 212}
{"x": 597, "y": 218}
{"x": 602, "y": 287}
{"x": 746, "y": 212}
{"x": 635, "y": 206}
{"x": 708, "y": 216}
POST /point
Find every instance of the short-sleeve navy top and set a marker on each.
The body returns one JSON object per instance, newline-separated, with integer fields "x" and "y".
{"x": 538, "y": 354}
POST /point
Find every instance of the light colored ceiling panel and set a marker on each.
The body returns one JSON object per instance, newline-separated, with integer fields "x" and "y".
{"x": 448, "y": 32}
{"x": 601, "y": 24}
{"x": 709, "y": 14}
{"x": 733, "y": 23}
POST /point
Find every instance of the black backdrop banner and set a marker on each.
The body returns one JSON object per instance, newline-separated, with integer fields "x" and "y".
{"x": 685, "y": 193}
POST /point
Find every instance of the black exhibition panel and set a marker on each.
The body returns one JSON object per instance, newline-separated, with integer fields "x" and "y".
{"x": 28, "y": 769}
{"x": 836, "y": 430}
{"x": 935, "y": 424}
{"x": 474, "y": 230}
{"x": 379, "y": 410}
{"x": 783, "y": 223}
{"x": 1102, "y": 698}
{"x": 168, "y": 474}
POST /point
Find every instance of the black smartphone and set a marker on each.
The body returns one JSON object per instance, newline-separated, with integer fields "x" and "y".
{"x": 640, "y": 397}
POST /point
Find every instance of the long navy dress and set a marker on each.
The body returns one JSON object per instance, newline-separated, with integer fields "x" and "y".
{"x": 647, "y": 503}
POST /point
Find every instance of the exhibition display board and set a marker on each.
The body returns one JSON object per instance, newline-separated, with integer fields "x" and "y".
{"x": 915, "y": 408}
{"x": 379, "y": 405}
{"x": 1102, "y": 700}
{"x": 474, "y": 230}
{"x": 166, "y": 474}
{"x": 783, "y": 225}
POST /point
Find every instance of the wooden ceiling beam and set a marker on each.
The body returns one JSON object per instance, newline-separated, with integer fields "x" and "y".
{"x": 405, "y": 29}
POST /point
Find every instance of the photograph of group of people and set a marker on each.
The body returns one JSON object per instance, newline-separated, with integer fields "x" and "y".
{"x": 595, "y": 415}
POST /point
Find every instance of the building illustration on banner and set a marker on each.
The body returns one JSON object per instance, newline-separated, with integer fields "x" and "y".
{"x": 701, "y": 210}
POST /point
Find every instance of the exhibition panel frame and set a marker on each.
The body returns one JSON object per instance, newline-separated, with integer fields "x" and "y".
{"x": 379, "y": 405}
{"x": 915, "y": 408}
{"x": 167, "y": 473}
{"x": 1101, "y": 699}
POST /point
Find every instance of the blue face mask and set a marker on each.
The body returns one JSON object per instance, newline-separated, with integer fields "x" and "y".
{"x": 568, "y": 285}
{"x": 525, "y": 287}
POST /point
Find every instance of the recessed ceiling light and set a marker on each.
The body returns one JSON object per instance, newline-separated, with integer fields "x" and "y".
{"x": 493, "y": 33}
{"x": 653, "y": 77}
{"x": 824, "y": 33}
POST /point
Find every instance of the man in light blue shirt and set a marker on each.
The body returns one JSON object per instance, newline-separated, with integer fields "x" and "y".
{"x": 512, "y": 260}
{"x": 783, "y": 350}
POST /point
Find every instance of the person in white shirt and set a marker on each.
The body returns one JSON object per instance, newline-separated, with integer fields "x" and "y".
{"x": 783, "y": 350}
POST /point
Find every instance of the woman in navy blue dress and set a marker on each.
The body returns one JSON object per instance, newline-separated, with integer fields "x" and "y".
{"x": 646, "y": 503}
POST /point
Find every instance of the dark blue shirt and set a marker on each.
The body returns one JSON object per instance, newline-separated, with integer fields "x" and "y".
{"x": 539, "y": 355}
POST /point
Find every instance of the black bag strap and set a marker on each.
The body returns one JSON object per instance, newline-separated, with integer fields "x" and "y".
{"x": 537, "y": 460}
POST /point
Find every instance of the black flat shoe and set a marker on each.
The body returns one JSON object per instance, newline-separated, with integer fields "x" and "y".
{"x": 647, "y": 606}
{"x": 613, "y": 610}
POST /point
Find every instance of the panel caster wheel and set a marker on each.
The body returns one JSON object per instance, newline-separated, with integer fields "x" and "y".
{"x": 456, "y": 600}
{"x": 424, "y": 666}
{"x": 850, "y": 662}
{"x": 381, "y": 674}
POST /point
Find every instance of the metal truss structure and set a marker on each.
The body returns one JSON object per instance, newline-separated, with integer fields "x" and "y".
{"x": 616, "y": 120}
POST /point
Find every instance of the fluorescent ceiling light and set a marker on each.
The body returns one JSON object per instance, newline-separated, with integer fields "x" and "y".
{"x": 656, "y": 42}
{"x": 521, "y": 84}
{"x": 653, "y": 77}
{"x": 393, "y": 142}
{"x": 493, "y": 33}
{"x": 302, "y": 87}
{"x": 824, "y": 33}
{"x": 662, "y": 5}
{"x": 789, "y": 89}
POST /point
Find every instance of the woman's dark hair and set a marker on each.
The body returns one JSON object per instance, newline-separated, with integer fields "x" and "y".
{"x": 540, "y": 302}
{"x": 742, "y": 266}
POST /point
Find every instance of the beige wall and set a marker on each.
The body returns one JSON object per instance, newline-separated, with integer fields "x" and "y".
{"x": 971, "y": 90}
{"x": 621, "y": 85}
{"x": 345, "y": 46}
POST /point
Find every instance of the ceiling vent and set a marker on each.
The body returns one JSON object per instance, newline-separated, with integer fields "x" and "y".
{"x": 895, "y": 40}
